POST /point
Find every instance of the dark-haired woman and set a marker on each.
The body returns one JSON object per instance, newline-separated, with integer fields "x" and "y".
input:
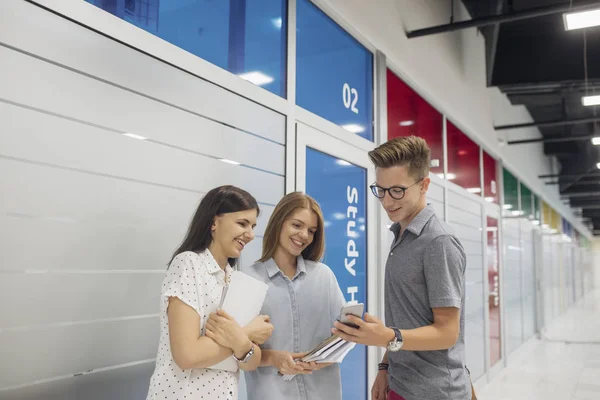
{"x": 223, "y": 224}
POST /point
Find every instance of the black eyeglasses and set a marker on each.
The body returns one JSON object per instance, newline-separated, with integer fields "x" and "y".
{"x": 396, "y": 192}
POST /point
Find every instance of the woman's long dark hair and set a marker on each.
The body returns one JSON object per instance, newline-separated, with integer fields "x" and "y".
{"x": 220, "y": 200}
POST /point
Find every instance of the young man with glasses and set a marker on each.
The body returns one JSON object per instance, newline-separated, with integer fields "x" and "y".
{"x": 424, "y": 287}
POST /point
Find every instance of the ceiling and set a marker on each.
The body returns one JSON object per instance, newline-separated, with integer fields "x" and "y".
{"x": 540, "y": 65}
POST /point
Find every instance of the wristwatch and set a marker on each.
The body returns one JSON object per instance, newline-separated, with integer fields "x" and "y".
{"x": 247, "y": 357}
{"x": 397, "y": 343}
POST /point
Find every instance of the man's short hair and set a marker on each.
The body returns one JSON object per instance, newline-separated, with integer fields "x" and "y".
{"x": 408, "y": 151}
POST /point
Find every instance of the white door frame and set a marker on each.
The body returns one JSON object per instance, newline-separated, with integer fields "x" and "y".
{"x": 307, "y": 136}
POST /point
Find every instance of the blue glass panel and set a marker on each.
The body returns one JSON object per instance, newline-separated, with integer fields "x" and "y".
{"x": 340, "y": 189}
{"x": 334, "y": 72}
{"x": 245, "y": 37}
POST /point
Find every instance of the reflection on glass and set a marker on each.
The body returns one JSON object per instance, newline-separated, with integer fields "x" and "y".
{"x": 409, "y": 114}
{"x": 463, "y": 159}
{"x": 334, "y": 72}
{"x": 511, "y": 194}
{"x": 245, "y": 37}
{"x": 490, "y": 179}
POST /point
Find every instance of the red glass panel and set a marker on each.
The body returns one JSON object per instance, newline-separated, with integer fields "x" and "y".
{"x": 490, "y": 178}
{"x": 409, "y": 114}
{"x": 463, "y": 160}
{"x": 494, "y": 287}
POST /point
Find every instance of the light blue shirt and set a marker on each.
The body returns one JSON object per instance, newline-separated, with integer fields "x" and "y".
{"x": 302, "y": 310}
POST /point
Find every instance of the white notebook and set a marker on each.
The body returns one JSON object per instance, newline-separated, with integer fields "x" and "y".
{"x": 243, "y": 300}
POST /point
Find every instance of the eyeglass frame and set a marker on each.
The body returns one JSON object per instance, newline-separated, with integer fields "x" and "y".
{"x": 374, "y": 186}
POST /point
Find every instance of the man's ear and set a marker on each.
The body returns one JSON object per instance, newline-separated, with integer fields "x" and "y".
{"x": 425, "y": 185}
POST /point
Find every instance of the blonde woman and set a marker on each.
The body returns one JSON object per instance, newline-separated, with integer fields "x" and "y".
{"x": 303, "y": 300}
{"x": 223, "y": 224}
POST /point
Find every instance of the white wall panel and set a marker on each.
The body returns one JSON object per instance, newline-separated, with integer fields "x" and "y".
{"x": 557, "y": 279}
{"x": 464, "y": 201}
{"x": 251, "y": 253}
{"x": 467, "y": 233}
{"x": 462, "y": 217}
{"x": 548, "y": 280}
{"x": 435, "y": 193}
{"x": 472, "y": 248}
{"x": 24, "y": 24}
{"x": 475, "y": 346}
{"x": 89, "y": 149}
{"x": 125, "y": 383}
{"x": 438, "y": 207}
{"x": 528, "y": 280}
{"x": 512, "y": 284}
{"x": 90, "y": 222}
{"x": 163, "y": 125}
{"x": 54, "y": 352}
{"x": 92, "y": 217}
{"x": 56, "y": 298}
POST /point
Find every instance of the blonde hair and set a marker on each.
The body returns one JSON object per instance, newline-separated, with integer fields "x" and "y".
{"x": 409, "y": 151}
{"x": 283, "y": 211}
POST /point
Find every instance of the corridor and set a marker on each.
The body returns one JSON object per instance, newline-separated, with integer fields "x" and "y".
{"x": 564, "y": 365}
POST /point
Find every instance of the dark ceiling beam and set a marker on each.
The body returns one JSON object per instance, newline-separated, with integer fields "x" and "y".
{"x": 593, "y": 203}
{"x": 548, "y": 124}
{"x": 561, "y": 139}
{"x": 499, "y": 19}
{"x": 491, "y": 44}
{"x": 571, "y": 175}
{"x": 578, "y": 183}
{"x": 582, "y": 194}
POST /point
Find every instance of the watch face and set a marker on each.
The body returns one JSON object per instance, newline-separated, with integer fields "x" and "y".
{"x": 394, "y": 346}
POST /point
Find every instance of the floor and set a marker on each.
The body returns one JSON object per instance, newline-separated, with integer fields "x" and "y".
{"x": 564, "y": 364}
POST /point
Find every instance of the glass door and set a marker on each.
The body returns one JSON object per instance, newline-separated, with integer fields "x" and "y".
{"x": 337, "y": 175}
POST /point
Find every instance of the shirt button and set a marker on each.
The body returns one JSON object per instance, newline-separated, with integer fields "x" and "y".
{"x": 392, "y": 253}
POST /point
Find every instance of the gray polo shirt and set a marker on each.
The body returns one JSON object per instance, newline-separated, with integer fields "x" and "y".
{"x": 426, "y": 269}
{"x": 303, "y": 310}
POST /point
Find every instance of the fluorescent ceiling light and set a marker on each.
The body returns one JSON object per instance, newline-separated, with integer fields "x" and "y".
{"x": 598, "y": 165}
{"x": 596, "y": 141}
{"x": 343, "y": 163}
{"x": 590, "y": 100}
{"x": 407, "y": 123}
{"x": 256, "y": 77}
{"x": 354, "y": 128}
{"x": 277, "y": 22}
{"x": 339, "y": 216}
{"x": 229, "y": 161}
{"x": 580, "y": 20}
{"x": 131, "y": 135}
{"x": 451, "y": 176}
{"x": 507, "y": 206}
{"x": 489, "y": 199}
{"x": 474, "y": 190}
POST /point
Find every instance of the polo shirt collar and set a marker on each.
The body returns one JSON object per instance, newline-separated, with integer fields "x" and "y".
{"x": 418, "y": 223}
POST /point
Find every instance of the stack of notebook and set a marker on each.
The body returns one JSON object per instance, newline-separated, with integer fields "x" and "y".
{"x": 331, "y": 350}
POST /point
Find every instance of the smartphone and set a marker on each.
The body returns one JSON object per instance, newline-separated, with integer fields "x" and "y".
{"x": 355, "y": 309}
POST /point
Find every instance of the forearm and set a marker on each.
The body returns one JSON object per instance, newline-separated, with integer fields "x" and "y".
{"x": 268, "y": 358}
{"x": 384, "y": 360}
{"x": 428, "y": 338}
{"x": 254, "y": 362}
{"x": 202, "y": 353}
